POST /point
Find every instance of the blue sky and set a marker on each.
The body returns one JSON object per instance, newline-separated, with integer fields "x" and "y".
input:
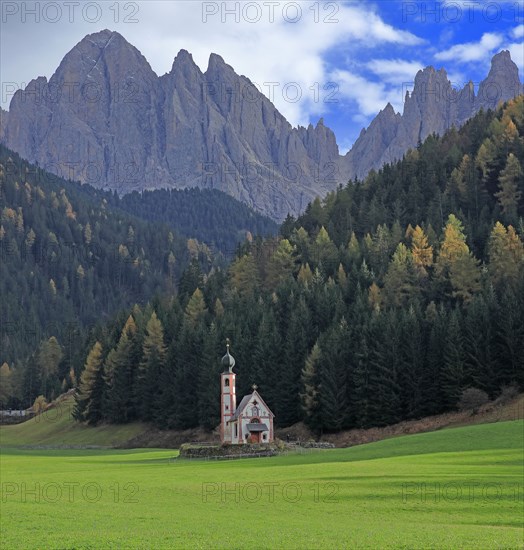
{"x": 342, "y": 61}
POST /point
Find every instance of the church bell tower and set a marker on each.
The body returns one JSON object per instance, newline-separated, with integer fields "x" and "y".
{"x": 228, "y": 399}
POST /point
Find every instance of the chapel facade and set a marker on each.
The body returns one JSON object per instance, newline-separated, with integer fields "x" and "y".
{"x": 252, "y": 420}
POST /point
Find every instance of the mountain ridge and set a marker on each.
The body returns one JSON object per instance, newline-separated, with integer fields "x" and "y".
{"x": 106, "y": 118}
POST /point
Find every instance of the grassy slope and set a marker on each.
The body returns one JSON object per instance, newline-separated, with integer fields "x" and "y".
{"x": 370, "y": 496}
{"x": 57, "y": 427}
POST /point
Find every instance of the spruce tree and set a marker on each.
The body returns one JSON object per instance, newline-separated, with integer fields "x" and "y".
{"x": 151, "y": 367}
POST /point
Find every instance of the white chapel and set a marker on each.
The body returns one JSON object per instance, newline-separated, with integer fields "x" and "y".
{"x": 252, "y": 420}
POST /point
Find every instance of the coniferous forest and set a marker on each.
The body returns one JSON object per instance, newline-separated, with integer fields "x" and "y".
{"x": 384, "y": 301}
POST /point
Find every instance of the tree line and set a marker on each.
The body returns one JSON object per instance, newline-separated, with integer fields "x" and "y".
{"x": 383, "y": 302}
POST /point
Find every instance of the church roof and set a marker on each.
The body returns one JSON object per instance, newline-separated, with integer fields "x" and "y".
{"x": 257, "y": 427}
{"x": 243, "y": 404}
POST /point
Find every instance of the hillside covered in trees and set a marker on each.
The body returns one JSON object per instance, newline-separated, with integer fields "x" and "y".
{"x": 208, "y": 215}
{"x": 382, "y": 302}
{"x": 72, "y": 256}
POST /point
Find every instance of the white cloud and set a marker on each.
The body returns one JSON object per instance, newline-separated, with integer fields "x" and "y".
{"x": 472, "y": 51}
{"x": 370, "y": 96}
{"x": 266, "y": 51}
{"x": 395, "y": 71}
{"x": 516, "y": 51}
{"x": 518, "y": 32}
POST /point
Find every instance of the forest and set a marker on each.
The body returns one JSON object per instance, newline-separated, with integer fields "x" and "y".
{"x": 73, "y": 256}
{"x": 382, "y": 302}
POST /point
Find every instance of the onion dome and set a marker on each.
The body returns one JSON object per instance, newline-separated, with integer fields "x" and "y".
{"x": 228, "y": 361}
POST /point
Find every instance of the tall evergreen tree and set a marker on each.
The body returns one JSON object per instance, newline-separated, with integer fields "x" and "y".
{"x": 90, "y": 395}
{"x": 151, "y": 367}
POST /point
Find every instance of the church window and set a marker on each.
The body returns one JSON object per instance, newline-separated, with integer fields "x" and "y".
{"x": 254, "y": 411}
{"x": 226, "y": 383}
{"x": 236, "y": 429}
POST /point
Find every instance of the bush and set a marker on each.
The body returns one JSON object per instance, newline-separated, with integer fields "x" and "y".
{"x": 40, "y": 404}
{"x": 472, "y": 398}
{"x": 507, "y": 394}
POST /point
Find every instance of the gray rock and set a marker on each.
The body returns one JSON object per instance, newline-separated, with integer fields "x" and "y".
{"x": 107, "y": 119}
{"x": 434, "y": 106}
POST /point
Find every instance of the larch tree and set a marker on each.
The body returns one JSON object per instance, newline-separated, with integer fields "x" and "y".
{"x": 5, "y": 384}
{"x": 244, "y": 276}
{"x": 90, "y": 394}
{"x": 196, "y": 307}
{"x": 421, "y": 251}
{"x": 506, "y": 255}
{"x": 281, "y": 264}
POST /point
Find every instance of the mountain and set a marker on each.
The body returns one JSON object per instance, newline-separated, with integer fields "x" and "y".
{"x": 106, "y": 118}
{"x": 396, "y": 298}
{"x": 434, "y": 106}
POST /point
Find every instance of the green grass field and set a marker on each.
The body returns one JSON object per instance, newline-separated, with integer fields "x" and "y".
{"x": 56, "y": 427}
{"x": 456, "y": 488}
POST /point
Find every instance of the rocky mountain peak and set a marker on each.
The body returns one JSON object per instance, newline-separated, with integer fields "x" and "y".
{"x": 502, "y": 82}
{"x": 135, "y": 130}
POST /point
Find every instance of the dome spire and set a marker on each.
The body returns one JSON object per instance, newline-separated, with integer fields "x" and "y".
{"x": 228, "y": 361}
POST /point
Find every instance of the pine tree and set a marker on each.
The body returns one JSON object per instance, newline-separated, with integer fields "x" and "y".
{"x": 454, "y": 371}
{"x": 152, "y": 365}
{"x": 509, "y": 194}
{"x": 398, "y": 282}
{"x": 208, "y": 391}
{"x": 121, "y": 368}
{"x": 333, "y": 375}
{"x": 309, "y": 394}
{"x": 479, "y": 346}
{"x": 465, "y": 277}
{"x": 510, "y": 338}
{"x": 383, "y": 345}
{"x": 297, "y": 342}
{"x": 324, "y": 252}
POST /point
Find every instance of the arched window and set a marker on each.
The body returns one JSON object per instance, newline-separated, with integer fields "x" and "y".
{"x": 226, "y": 382}
{"x": 254, "y": 411}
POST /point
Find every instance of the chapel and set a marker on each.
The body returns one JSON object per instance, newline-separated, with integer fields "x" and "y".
{"x": 252, "y": 420}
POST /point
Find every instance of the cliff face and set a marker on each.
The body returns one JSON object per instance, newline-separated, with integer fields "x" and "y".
{"x": 434, "y": 106}
{"x": 107, "y": 119}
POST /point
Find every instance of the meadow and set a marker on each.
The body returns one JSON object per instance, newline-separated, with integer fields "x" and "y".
{"x": 454, "y": 488}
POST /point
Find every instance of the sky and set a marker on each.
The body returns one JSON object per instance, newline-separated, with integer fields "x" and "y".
{"x": 339, "y": 60}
